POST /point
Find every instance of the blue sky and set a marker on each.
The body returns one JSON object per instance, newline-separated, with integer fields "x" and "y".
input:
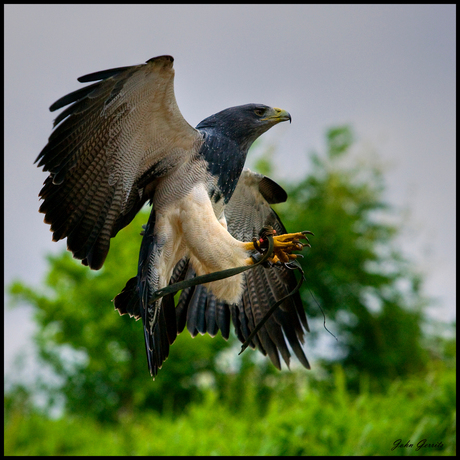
{"x": 388, "y": 70}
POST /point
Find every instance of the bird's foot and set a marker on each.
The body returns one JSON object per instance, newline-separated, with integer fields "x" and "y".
{"x": 283, "y": 244}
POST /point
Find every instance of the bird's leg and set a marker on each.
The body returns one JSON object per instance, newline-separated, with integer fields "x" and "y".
{"x": 283, "y": 246}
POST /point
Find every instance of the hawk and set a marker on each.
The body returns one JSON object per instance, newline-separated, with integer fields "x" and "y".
{"x": 122, "y": 141}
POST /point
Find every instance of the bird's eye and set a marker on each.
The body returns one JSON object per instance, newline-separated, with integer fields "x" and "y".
{"x": 259, "y": 112}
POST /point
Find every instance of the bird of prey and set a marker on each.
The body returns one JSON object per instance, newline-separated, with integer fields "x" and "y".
{"x": 122, "y": 141}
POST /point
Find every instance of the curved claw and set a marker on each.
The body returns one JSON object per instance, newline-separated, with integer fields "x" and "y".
{"x": 283, "y": 245}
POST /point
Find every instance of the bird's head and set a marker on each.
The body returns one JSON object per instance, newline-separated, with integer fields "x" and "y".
{"x": 245, "y": 123}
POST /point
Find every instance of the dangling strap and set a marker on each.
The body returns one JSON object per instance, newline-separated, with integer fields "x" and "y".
{"x": 220, "y": 275}
{"x": 294, "y": 265}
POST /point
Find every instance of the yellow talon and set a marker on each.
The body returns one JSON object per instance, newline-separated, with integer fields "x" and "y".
{"x": 284, "y": 245}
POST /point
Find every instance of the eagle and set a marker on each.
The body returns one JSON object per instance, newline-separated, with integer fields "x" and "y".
{"x": 121, "y": 142}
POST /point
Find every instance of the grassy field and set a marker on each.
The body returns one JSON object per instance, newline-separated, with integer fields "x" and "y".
{"x": 307, "y": 421}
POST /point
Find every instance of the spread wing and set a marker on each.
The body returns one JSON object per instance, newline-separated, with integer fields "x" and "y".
{"x": 247, "y": 212}
{"x": 109, "y": 145}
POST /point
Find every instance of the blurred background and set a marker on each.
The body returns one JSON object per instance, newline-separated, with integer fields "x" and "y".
{"x": 368, "y": 163}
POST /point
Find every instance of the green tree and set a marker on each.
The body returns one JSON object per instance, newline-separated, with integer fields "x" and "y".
{"x": 370, "y": 293}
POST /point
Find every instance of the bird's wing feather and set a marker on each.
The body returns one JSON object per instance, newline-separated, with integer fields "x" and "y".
{"x": 247, "y": 212}
{"x": 116, "y": 136}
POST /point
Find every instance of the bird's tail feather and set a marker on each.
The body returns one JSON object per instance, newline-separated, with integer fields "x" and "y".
{"x": 159, "y": 319}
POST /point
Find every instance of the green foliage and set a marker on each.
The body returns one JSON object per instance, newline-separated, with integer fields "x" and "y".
{"x": 300, "y": 420}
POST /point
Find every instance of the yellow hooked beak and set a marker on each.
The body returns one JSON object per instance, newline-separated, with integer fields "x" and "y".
{"x": 278, "y": 115}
